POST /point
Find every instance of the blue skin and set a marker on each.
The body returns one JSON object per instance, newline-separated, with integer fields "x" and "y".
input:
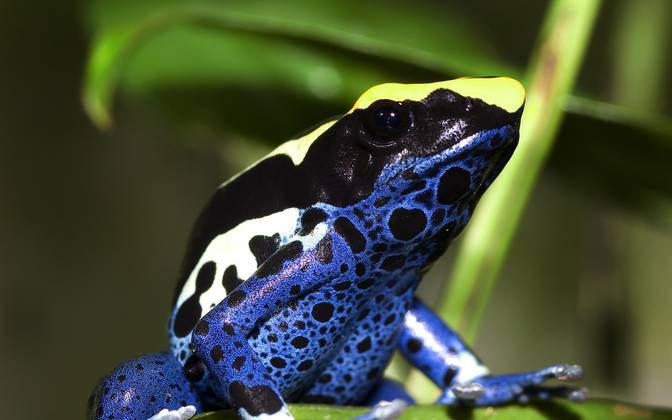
{"x": 303, "y": 328}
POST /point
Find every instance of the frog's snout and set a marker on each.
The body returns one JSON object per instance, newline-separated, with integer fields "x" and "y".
{"x": 503, "y": 92}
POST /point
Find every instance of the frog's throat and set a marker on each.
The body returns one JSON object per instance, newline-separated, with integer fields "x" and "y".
{"x": 503, "y": 92}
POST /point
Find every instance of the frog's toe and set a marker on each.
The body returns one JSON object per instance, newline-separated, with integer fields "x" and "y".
{"x": 567, "y": 373}
{"x": 182, "y": 413}
{"x": 519, "y": 387}
{"x": 546, "y": 393}
{"x": 384, "y": 410}
{"x": 468, "y": 392}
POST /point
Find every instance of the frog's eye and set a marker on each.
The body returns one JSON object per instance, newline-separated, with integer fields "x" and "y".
{"x": 386, "y": 120}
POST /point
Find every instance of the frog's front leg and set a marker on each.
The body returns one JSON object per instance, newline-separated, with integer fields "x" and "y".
{"x": 220, "y": 338}
{"x": 436, "y": 350}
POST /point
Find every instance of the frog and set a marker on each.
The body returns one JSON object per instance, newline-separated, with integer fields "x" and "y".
{"x": 300, "y": 276}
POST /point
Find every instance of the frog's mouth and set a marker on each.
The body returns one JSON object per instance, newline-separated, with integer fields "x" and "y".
{"x": 498, "y": 159}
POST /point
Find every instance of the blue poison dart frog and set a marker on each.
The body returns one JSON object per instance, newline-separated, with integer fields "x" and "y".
{"x": 299, "y": 279}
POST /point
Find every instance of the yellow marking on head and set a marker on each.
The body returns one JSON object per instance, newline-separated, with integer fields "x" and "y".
{"x": 296, "y": 149}
{"x": 503, "y": 92}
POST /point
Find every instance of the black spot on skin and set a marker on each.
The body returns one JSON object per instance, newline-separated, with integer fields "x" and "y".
{"x": 379, "y": 247}
{"x": 406, "y": 224}
{"x": 364, "y": 345}
{"x": 121, "y": 378}
{"x": 311, "y": 218}
{"x": 255, "y": 400}
{"x": 295, "y": 290}
{"x": 273, "y": 338}
{"x": 366, "y": 283}
{"x": 324, "y": 250}
{"x": 359, "y": 213}
{"x": 417, "y": 186}
{"x": 454, "y": 183}
{"x": 495, "y": 141}
{"x": 202, "y": 328}
{"x": 425, "y": 198}
{"x": 262, "y": 247}
{"x": 349, "y": 232}
{"x": 238, "y": 363}
{"x": 393, "y": 262}
{"x": 228, "y": 328}
{"x": 413, "y": 345}
{"x": 299, "y": 342}
{"x": 344, "y": 285}
{"x": 344, "y": 268}
{"x": 235, "y": 298}
{"x": 278, "y": 362}
{"x": 380, "y": 202}
{"x": 390, "y": 319}
{"x": 324, "y": 379}
{"x": 273, "y": 265}
{"x": 216, "y": 354}
{"x": 360, "y": 270}
{"x": 409, "y": 174}
{"x": 318, "y": 399}
{"x": 305, "y": 365}
{"x": 363, "y": 314}
{"x": 139, "y": 367}
{"x": 190, "y": 310}
{"x": 450, "y": 374}
{"x": 323, "y": 311}
{"x": 230, "y": 279}
{"x": 437, "y": 217}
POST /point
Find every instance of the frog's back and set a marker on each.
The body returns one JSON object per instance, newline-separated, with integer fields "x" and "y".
{"x": 247, "y": 219}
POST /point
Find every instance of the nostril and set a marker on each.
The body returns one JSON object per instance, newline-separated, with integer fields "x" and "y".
{"x": 469, "y": 105}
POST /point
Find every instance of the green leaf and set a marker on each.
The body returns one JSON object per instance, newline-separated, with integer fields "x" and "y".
{"x": 322, "y": 50}
{"x": 486, "y": 241}
{"x": 560, "y": 410}
{"x": 210, "y": 64}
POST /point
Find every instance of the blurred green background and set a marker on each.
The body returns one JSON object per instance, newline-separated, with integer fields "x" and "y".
{"x": 95, "y": 221}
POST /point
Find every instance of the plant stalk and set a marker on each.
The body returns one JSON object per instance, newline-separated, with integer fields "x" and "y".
{"x": 484, "y": 245}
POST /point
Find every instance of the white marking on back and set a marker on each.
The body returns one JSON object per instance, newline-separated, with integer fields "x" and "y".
{"x": 232, "y": 248}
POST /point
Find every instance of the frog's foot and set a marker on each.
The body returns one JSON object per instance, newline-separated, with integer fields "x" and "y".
{"x": 384, "y": 410}
{"x": 493, "y": 390}
{"x": 182, "y": 413}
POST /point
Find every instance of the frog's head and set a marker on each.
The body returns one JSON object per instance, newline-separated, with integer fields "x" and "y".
{"x": 409, "y": 148}
{"x": 427, "y": 152}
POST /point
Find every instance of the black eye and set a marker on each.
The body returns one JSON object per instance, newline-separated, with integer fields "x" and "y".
{"x": 386, "y": 120}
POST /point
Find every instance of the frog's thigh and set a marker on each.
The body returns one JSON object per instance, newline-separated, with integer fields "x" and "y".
{"x": 143, "y": 387}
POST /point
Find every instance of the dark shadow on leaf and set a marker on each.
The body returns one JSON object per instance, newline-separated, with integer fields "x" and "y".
{"x": 553, "y": 410}
{"x": 460, "y": 412}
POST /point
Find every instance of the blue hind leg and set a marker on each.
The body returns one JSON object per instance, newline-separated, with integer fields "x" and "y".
{"x": 142, "y": 387}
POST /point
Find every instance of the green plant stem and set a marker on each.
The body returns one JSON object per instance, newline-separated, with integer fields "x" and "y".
{"x": 486, "y": 242}
{"x": 551, "y": 76}
{"x": 643, "y": 36}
